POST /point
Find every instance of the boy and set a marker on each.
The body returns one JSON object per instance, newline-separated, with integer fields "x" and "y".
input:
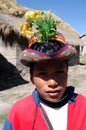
{"x": 52, "y": 105}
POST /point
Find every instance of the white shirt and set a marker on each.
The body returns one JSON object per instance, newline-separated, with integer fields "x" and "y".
{"x": 57, "y": 116}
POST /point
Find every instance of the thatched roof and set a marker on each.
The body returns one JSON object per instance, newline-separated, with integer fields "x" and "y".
{"x": 9, "y": 30}
{"x": 9, "y": 25}
{"x": 12, "y": 8}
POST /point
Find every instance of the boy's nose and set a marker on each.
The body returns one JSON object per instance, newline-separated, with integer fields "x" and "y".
{"x": 52, "y": 83}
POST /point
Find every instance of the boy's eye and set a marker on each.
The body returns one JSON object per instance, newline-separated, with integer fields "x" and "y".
{"x": 61, "y": 71}
{"x": 42, "y": 74}
{"x": 58, "y": 72}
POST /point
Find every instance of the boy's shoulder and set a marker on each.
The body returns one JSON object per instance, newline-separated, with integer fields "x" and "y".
{"x": 80, "y": 102}
{"x": 26, "y": 101}
{"x": 76, "y": 97}
{"x": 23, "y": 105}
{"x": 81, "y": 98}
{"x": 21, "y": 109}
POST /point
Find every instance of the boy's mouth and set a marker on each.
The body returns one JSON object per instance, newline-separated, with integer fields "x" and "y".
{"x": 54, "y": 92}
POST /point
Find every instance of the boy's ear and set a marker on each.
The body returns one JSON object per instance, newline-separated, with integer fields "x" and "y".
{"x": 31, "y": 78}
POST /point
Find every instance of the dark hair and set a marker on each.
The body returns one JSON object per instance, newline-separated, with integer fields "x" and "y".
{"x": 31, "y": 67}
{"x": 47, "y": 47}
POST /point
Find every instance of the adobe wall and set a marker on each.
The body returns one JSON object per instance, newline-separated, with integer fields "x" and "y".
{"x": 11, "y": 69}
{"x": 8, "y": 52}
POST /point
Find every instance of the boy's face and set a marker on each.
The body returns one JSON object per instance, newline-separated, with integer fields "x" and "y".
{"x": 50, "y": 79}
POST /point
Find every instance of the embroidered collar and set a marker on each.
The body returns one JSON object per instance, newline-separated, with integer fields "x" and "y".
{"x": 58, "y": 104}
{"x": 69, "y": 97}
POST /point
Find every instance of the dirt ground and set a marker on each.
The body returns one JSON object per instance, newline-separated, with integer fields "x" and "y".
{"x": 76, "y": 77}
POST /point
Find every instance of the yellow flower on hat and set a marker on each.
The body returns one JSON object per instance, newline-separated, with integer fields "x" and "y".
{"x": 20, "y": 26}
{"x": 36, "y": 14}
{"x": 39, "y": 24}
{"x": 22, "y": 33}
{"x": 29, "y": 14}
{"x": 32, "y": 14}
{"x": 29, "y": 33}
{"x": 25, "y": 27}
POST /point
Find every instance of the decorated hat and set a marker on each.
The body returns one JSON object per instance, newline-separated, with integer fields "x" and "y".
{"x": 44, "y": 41}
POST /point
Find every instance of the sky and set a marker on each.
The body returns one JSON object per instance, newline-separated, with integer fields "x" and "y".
{"x": 70, "y": 11}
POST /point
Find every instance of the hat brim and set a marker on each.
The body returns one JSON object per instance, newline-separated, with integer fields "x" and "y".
{"x": 30, "y": 55}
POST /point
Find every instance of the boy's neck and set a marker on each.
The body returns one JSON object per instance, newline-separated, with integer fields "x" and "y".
{"x": 58, "y": 104}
